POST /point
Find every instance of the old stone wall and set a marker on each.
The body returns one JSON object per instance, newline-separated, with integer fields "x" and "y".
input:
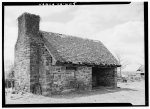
{"x": 57, "y": 79}
{"x": 34, "y": 65}
{"x": 22, "y": 67}
{"x": 53, "y": 79}
{"x": 45, "y": 73}
{"x": 27, "y": 63}
{"x": 84, "y": 78}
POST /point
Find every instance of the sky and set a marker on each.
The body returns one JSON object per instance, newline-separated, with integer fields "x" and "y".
{"x": 119, "y": 27}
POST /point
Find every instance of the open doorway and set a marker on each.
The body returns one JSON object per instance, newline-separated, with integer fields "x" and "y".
{"x": 95, "y": 71}
{"x": 103, "y": 77}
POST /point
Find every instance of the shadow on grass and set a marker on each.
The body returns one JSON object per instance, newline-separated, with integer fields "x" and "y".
{"x": 95, "y": 91}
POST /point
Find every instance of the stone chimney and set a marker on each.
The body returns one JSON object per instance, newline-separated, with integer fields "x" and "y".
{"x": 28, "y": 23}
{"x": 27, "y": 52}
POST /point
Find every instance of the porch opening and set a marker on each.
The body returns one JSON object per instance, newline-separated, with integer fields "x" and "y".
{"x": 103, "y": 77}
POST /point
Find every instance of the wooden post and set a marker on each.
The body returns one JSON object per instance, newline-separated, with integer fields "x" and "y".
{"x": 11, "y": 83}
{"x": 115, "y": 77}
{"x": 120, "y": 72}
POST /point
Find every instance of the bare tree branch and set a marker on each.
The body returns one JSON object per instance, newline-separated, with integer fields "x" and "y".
{"x": 122, "y": 61}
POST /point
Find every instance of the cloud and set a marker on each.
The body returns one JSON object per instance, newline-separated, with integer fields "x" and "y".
{"x": 102, "y": 17}
{"x": 62, "y": 16}
{"x": 10, "y": 38}
{"x": 126, "y": 40}
{"x": 39, "y": 10}
{"x": 13, "y": 12}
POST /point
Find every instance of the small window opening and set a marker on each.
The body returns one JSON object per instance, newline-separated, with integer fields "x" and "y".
{"x": 71, "y": 68}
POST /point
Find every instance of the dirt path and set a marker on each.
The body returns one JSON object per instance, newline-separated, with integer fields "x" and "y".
{"x": 127, "y": 93}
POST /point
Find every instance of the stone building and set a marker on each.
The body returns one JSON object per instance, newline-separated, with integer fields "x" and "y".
{"x": 51, "y": 63}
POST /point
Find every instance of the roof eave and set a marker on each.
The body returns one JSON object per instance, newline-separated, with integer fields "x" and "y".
{"x": 85, "y": 64}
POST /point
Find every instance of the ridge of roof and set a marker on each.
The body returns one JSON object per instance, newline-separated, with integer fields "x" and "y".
{"x": 67, "y": 35}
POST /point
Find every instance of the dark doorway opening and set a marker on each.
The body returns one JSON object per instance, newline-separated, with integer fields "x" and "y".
{"x": 102, "y": 77}
{"x": 95, "y": 76}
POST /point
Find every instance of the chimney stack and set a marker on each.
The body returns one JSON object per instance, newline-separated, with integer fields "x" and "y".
{"x": 27, "y": 52}
{"x": 28, "y": 23}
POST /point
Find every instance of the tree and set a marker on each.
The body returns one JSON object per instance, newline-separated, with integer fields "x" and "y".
{"x": 9, "y": 67}
{"x": 123, "y": 62}
{"x": 9, "y": 74}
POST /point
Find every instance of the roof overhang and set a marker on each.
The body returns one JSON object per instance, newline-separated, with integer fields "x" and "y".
{"x": 85, "y": 64}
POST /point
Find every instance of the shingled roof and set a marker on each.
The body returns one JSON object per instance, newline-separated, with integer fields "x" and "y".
{"x": 75, "y": 50}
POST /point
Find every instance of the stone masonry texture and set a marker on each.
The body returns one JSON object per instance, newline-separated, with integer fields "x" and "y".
{"x": 35, "y": 73}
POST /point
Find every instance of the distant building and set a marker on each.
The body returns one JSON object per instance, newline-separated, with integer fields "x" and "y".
{"x": 140, "y": 71}
{"x": 48, "y": 63}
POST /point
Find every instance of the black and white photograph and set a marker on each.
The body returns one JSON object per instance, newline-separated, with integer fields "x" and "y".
{"x": 74, "y": 53}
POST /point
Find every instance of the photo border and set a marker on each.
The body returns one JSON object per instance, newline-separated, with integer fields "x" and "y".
{"x": 77, "y": 104}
